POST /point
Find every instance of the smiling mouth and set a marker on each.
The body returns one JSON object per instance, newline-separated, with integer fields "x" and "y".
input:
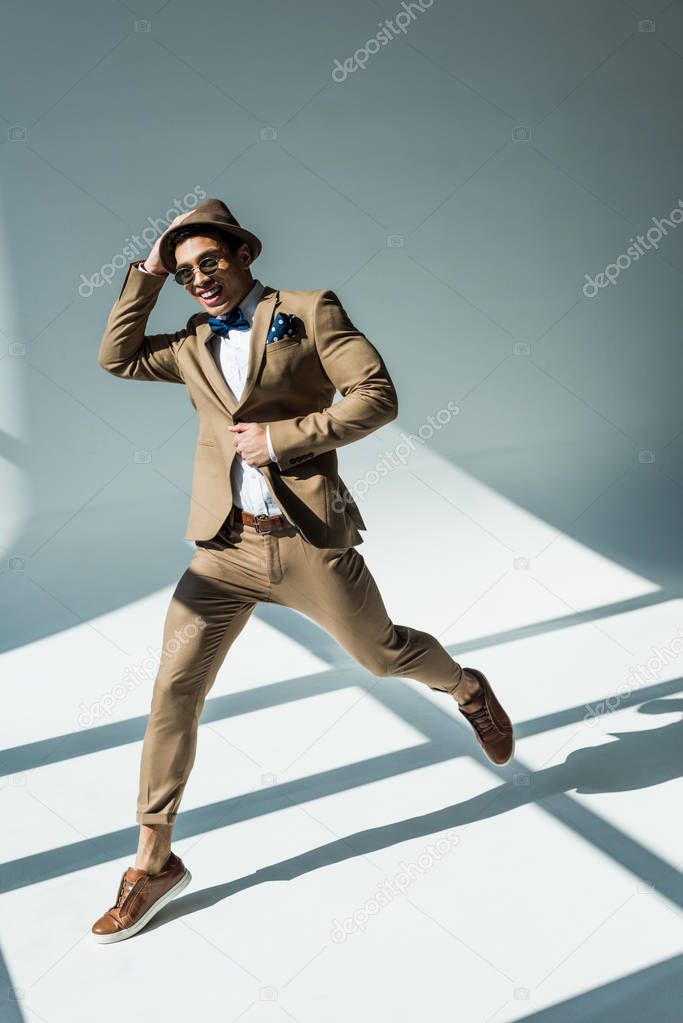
{"x": 212, "y": 295}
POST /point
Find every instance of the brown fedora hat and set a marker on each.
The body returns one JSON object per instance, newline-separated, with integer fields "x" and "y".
{"x": 210, "y": 213}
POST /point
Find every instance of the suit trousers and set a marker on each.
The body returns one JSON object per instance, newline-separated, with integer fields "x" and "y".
{"x": 212, "y": 603}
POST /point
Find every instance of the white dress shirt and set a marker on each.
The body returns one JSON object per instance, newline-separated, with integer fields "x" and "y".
{"x": 231, "y": 354}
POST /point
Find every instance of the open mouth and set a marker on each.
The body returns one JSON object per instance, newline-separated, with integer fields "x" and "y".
{"x": 212, "y": 295}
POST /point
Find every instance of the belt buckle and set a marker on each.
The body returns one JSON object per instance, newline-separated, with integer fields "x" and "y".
{"x": 256, "y": 523}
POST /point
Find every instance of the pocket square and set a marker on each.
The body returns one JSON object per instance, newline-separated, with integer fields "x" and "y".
{"x": 285, "y": 325}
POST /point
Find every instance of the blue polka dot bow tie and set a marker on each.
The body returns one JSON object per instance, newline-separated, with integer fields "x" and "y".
{"x": 284, "y": 325}
{"x": 234, "y": 320}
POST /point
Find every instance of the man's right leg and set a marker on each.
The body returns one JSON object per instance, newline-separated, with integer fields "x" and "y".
{"x": 210, "y": 606}
{"x": 204, "y": 618}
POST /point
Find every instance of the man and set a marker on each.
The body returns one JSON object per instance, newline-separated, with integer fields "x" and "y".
{"x": 270, "y": 517}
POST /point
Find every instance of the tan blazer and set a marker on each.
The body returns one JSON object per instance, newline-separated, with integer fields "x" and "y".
{"x": 290, "y": 384}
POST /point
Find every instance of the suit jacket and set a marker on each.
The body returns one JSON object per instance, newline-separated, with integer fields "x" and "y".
{"x": 290, "y": 384}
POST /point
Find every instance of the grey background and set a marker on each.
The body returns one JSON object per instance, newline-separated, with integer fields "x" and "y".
{"x": 451, "y": 237}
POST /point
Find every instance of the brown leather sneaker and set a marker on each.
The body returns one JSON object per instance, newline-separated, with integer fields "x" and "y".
{"x": 139, "y": 897}
{"x": 491, "y": 724}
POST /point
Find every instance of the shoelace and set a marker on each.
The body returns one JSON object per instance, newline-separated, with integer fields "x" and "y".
{"x": 481, "y": 719}
{"x": 125, "y": 889}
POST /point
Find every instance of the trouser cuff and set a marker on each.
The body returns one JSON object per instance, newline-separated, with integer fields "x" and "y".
{"x": 155, "y": 818}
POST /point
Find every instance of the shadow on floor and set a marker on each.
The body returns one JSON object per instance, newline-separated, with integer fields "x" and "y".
{"x": 634, "y": 760}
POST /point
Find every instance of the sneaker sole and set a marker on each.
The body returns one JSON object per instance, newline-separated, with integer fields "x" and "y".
{"x": 128, "y": 932}
{"x": 512, "y": 753}
{"x": 497, "y": 763}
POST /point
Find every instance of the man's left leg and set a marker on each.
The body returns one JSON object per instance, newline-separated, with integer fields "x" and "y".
{"x": 335, "y": 588}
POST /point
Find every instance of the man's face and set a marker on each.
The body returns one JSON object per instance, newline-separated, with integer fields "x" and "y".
{"x": 225, "y": 289}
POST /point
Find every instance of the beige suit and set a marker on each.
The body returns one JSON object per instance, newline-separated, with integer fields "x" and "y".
{"x": 313, "y": 568}
{"x": 290, "y": 384}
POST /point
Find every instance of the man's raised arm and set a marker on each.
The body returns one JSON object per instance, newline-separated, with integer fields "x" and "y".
{"x": 125, "y": 350}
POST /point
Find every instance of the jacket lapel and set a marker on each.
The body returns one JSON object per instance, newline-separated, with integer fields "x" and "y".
{"x": 263, "y": 316}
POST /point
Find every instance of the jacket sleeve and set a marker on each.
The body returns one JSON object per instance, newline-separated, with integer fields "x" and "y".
{"x": 125, "y": 349}
{"x": 357, "y": 371}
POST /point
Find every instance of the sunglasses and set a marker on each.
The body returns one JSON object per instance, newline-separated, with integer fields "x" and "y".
{"x": 207, "y": 264}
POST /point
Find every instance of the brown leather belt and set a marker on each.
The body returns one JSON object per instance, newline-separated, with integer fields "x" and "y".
{"x": 262, "y": 523}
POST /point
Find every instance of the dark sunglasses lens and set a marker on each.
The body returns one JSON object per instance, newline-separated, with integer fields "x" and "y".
{"x": 208, "y": 265}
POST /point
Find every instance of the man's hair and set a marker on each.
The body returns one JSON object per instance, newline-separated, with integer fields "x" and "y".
{"x": 230, "y": 241}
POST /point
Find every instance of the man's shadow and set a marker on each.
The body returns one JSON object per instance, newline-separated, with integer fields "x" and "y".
{"x": 635, "y": 760}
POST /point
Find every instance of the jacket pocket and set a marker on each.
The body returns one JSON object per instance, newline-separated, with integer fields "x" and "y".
{"x": 283, "y": 345}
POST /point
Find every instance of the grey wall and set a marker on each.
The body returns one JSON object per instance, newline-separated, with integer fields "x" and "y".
{"x": 455, "y": 192}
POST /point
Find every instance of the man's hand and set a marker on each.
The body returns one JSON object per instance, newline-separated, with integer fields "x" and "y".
{"x": 251, "y": 444}
{"x": 153, "y": 262}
